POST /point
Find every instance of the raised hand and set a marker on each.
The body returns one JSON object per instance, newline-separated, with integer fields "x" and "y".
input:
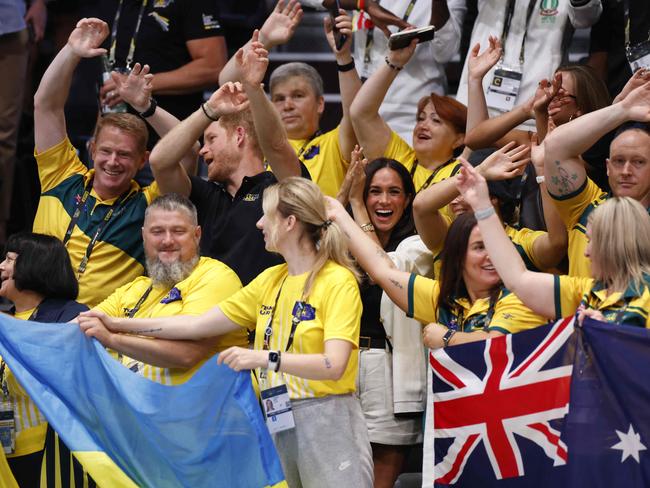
{"x": 87, "y": 36}
{"x": 472, "y": 187}
{"x": 281, "y": 24}
{"x": 399, "y": 57}
{"x": 639, "y": 77}
{"x": 230, "y": 98}
{"x": 344, "y": 25}
{"x": 479, "y": 64}
{"x": 383, "y": 18}
{"x": 357, "y": 173}
{"x": 637, "y": 103}
{"x": 546, "y": 93}
{"x": 505, "y": 163}
{"x": 135, "y": 89}
{"x": 252, "y": 61}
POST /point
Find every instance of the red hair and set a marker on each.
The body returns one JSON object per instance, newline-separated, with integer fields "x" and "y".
{"x": 448, "y": 109}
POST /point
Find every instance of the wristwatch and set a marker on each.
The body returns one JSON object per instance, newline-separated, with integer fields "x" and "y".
{"x": 447, "y": 337}
{"x": 274, "y": 361}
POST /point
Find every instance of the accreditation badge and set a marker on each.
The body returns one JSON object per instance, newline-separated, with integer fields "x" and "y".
{"x": 277, "y": 409}
{"x": 7, "y": 427}
{"x": 639, "y": 56}
{"x": 502, "y": 92}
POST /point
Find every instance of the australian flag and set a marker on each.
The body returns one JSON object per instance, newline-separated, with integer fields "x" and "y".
{"x": 554, "y": 406}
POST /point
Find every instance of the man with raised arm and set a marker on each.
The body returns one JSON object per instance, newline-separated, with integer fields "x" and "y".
{"x": 240, "y": 128}
{"x": 97, "y": 213}
{"x": 628, "y": 166}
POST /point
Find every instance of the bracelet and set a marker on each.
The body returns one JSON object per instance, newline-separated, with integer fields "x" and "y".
{"x": 392, "y": 66}
{"x": 368, "y": 227}
{"x": 342, "y": 68}
{"x": 484, "y": 213}
{"x": 205, "y": 111}
{"x": 540, "y": 179}
{"x": 447, "y": 337}
{"x": 151, "y": 110}
{"x": 361, "y": 4}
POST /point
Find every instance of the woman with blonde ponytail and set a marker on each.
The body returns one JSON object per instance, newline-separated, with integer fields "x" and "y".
{"x": 306, "y": 314}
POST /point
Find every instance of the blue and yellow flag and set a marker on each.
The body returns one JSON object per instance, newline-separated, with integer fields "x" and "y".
{"x": 128, "y": 431}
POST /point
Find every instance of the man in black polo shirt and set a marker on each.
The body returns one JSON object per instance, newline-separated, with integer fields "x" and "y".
{"x": 236, "y": 140}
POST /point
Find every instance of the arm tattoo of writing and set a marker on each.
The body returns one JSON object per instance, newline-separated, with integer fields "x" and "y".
{"x": 396, "y": 283}
{"x": 328, "y": 364}
{"x": 146, "y": 331}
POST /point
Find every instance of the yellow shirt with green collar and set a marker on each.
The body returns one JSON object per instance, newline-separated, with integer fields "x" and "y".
{"x": 118, "y": 256}
{"x": 631, "y": 307}
{"x": 323, "y": 158}
{"x": 574, "y": 209}
{"x": 331, "y": 311}
{"x": 30, "y": 424}
{"x": 509, "y": 314}
{"x": 210, "y": 282}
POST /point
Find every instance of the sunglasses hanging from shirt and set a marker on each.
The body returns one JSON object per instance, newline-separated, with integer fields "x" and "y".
{"x": 503, "y": 90}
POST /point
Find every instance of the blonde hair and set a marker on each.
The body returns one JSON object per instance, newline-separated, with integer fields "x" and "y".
{"x": 128, "y": 123}
{"x": 303, "y": 199}
{"x": 620, "y": 242}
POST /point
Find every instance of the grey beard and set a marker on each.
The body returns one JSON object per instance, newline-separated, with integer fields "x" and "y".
{"x": 168, "y": 275}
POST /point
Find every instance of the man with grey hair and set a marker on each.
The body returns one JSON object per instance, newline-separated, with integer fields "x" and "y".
{"x": 179, "y": 282}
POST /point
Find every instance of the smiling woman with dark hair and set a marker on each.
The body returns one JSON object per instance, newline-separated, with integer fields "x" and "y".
{"x": 37, "y": 277}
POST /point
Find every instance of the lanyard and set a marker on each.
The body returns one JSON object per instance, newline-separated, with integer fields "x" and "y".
{"x": 295, "y": 321}
{"x": 5, "y": 388}
{"x": 458, "y": 321}
{"x": 75, "y": 218}
{"x": 432, "y": 175}
{"x": 510, "y": 11}
{"x": 132, "y": 311}
{"x": 626, "y": 15}
{"x": 371, "y": 30}
{"x": 304, "y": 146}
{"x": 116, "y": 21}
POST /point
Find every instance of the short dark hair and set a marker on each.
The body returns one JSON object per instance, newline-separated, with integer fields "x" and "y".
{"x": 642, "y": 126}
{"x": 43, "y": 266}
{"x": 405, "y": 227}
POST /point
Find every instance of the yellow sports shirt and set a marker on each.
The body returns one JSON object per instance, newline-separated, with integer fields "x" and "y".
{"x": 331, "y": 311}
{"x": 509, "y": 314}
{"x": 210, "y": 282}
{"x": 630, "y": 307}
{"x": 118, "y": 256}
{"x": 574, "y": 209}
{"x": 322, "y": 157}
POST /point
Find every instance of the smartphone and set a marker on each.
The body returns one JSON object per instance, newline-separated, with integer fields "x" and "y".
{"x": 339, "y": 39}
{"x": 402, "y": 39}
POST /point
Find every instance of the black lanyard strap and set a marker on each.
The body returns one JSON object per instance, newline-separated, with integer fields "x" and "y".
{"x": 510, "y": 10}
{"x": 116, "y": 21}
{"x": 458, "y": 320}
{"x": 100, "y": 228}
{"x": 132, "y": 311}
{"x": 296, "y": 318}
{"x": 432, "y": 175}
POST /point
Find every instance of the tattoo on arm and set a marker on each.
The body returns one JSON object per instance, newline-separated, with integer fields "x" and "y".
{"x": 396, "y": 283}
{"x": 564, "y": 181}
{"x": 146, "y": 331}
{"x": 328, "y": 363}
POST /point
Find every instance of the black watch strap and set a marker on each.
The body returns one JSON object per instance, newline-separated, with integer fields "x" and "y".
{"x": 447, "y": 337}
{"x": 151, "y": 110}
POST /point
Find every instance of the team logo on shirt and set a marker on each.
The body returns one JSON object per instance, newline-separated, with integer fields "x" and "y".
{"x": 303, "y": 311}
{"x": 312, "y": 152}
{"x": 163, "y": 22}
{"x": 162, "y": 3}
{"x": 251, "y": 197}
{"x": 266, "y": 309}
{"x": 210, "y": 23}
{"x": 548, "y": 11}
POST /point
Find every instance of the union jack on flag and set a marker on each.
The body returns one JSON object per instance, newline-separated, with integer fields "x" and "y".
{"x": 500, "y": 404}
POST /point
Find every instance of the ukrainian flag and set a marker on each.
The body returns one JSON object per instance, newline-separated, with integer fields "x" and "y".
{"x": 128, "y": 431}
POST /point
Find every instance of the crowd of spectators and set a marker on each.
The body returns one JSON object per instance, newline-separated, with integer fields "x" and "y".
{"x": 219, "y": 219}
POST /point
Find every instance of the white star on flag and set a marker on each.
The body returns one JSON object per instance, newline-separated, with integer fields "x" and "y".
{"x": 630, "y": 444}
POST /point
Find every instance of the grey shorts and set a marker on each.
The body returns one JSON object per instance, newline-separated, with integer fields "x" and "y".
{"x": 375, "y": 391}
{"x": 329, "y": 446}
